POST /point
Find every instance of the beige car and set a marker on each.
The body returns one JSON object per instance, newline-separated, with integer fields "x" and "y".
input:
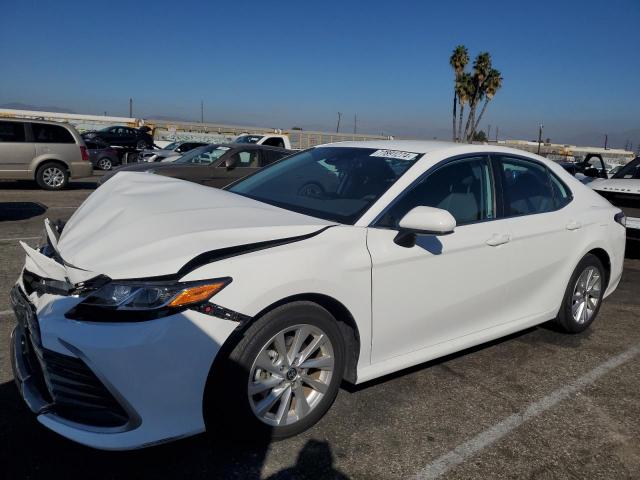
{"x": 48, "y": 152}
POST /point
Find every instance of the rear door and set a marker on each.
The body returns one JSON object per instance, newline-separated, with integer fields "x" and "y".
{"x": 15, "y": 152}
{"x": 544, "y": 228}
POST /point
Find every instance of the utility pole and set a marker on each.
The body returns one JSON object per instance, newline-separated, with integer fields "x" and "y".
{"x": 355, "y": 123}
{"x": 497, "y": 131}
{"x": 489, "y": 132}
{"x": 105, "y": 113}
{"x": 338, "y": 126}
{"x": 130, "y": 107}
{"x": 606, "y": 140}
{"x": 201, "y": 111}
{"x": 539, "y": 137}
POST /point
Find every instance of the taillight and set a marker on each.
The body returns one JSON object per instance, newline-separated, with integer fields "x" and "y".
{"x": 84, "y": 153}
{"x": 621, "y": 219}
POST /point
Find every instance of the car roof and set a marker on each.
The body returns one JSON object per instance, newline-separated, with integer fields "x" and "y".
{"x": 415, "y": 146}
{"x": 34, "y": 120}
{"x": 253, "y": 146}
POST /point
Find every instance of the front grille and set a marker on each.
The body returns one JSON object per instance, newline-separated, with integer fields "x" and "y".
{"x": 67, "y": 386}
{"x": 77, "y": 394}
{"x": 627, "y": 202}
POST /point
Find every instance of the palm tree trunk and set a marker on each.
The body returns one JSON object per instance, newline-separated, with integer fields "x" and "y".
{"x": 470, "y": 117}
{"x": 484, "y": 107}
{"x": 455, "y": 104}
{"x": 459, "y": 137}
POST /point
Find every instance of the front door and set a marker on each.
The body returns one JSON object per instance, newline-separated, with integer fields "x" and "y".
{"x": 244, "y": 163}
{"x": 445, "y": 286}
{"x": 15, "y": 153}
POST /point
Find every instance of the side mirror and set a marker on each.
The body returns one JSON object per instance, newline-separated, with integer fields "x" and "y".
{"x": 424, "y": 221}
{"x": 231, "y": 162}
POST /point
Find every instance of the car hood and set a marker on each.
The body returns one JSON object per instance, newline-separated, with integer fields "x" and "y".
{"x": 626, "y": 185}
{"x": 142, "y": 225}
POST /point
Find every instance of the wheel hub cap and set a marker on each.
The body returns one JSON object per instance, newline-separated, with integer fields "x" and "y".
{"x": 290, "y": 375}
{"x": 586, "y": 295}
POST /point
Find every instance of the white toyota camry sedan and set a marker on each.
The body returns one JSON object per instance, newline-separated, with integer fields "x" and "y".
{"x": 163, "y": 308}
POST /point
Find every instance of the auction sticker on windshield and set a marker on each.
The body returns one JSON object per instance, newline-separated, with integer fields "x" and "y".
{"x": 394, "y": 154}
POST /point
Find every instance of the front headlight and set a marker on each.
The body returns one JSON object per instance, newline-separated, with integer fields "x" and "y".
{"x": 136, "y": 301}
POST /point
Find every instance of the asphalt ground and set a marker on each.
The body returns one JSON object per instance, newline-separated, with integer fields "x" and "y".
{"x": 538, "y": 404}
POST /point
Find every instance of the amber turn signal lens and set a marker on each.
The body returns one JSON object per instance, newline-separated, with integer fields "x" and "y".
{"x": 196, "y": 294}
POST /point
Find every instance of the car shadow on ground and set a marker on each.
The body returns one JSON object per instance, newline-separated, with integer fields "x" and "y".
{"x": 15, "y": 211}
{"x": 29, "y": 450}
{"x": 81, "y": 184}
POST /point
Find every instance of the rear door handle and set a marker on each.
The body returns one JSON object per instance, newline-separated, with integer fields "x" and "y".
{"x": 574, "y": 225}
{"x": 498, "y": 239}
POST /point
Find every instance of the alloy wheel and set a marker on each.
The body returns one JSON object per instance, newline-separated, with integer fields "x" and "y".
{"x": 53, "y": 177}
{"x": 586, "y": 295}
{"x": 290, "y": 375}
{"x": 104, "y": 164}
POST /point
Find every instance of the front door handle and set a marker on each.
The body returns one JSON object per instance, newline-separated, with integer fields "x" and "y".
{"x": 574, "y": 225}
{"x": 498, "y": 239}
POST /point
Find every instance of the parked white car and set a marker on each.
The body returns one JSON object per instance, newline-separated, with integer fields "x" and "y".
{"x": 623, "y": 191}
{"x": 240, "y": 311}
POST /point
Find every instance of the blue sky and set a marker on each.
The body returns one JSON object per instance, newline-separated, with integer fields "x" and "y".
{"x": 574, "y": 65}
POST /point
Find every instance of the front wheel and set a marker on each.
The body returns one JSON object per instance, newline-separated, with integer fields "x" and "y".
{"x": 583, "y": 296}
{"x": 282, "y": 376}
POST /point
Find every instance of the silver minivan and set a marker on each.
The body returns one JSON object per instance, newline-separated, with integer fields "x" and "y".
{"x": 48, "y": 152}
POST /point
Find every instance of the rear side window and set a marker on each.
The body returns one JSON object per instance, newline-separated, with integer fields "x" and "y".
{"x": 526, "y": 187}
{"x": 561, "y": 193}
{"x": 274, "y": 142}
{"x": 12, "y": 132}
{"x": 44, "y": 133}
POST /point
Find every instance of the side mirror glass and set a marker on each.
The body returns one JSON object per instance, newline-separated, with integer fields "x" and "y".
{"x": 424, "y": 221}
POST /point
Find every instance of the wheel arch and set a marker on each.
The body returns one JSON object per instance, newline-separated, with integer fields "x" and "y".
{"x": 602, "y": 255}
{"x": 38, "y": 162}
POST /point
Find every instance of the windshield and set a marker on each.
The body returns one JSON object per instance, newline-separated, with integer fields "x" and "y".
{"x": 171, "y": 146}
{"x": 333, "y": 183}
{"x": 630, "y": 170}
{"x": 248, "y": 138}
{"x": 203, "y": 155}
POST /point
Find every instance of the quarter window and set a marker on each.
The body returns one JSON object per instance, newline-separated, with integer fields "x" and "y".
{"x": 561, "y": 194}
{"x": 462, "y": 187}
{"x": 12, "y": 132}
{"x": 45, "y": 133}
{"x": 526, "y": 187}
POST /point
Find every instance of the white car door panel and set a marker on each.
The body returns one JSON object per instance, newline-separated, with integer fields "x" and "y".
{"x": 442, "y": 288}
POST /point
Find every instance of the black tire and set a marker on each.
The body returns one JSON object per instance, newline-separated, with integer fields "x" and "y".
{"x": 231, "y": 375}
{"x": 52, "y": 176}
{"x": 565, "y": 319}
{"x": 105, "y": 163}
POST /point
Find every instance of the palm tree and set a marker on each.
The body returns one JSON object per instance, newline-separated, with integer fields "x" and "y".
{"x": 481, "y": 68}
{"x": 493, "y": 83}
{"x": 463, "y": 91}
{"x": 458, "y": 61}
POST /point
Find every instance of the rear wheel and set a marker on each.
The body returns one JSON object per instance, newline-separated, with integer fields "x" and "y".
{"x": 105, "y": 164}
{"x": 282, "y": 376}
{"x": 583, "y": 296}
{"x": 52, "y": 176}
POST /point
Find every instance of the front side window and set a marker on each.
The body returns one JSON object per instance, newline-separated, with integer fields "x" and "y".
{"x": 249, "y": 138}
{"x": 274, "y": 142}
{"x": 462, "y": 187}
{"x": 630, "y": 170}
{"x": 45, "y": 133}
{"x": 12, "y": 132}
{"x": 526, "y": 187}
{"x": 335, "y": 183}
{"x": 247, "y": 159}
{"x": 202, "y": 155}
